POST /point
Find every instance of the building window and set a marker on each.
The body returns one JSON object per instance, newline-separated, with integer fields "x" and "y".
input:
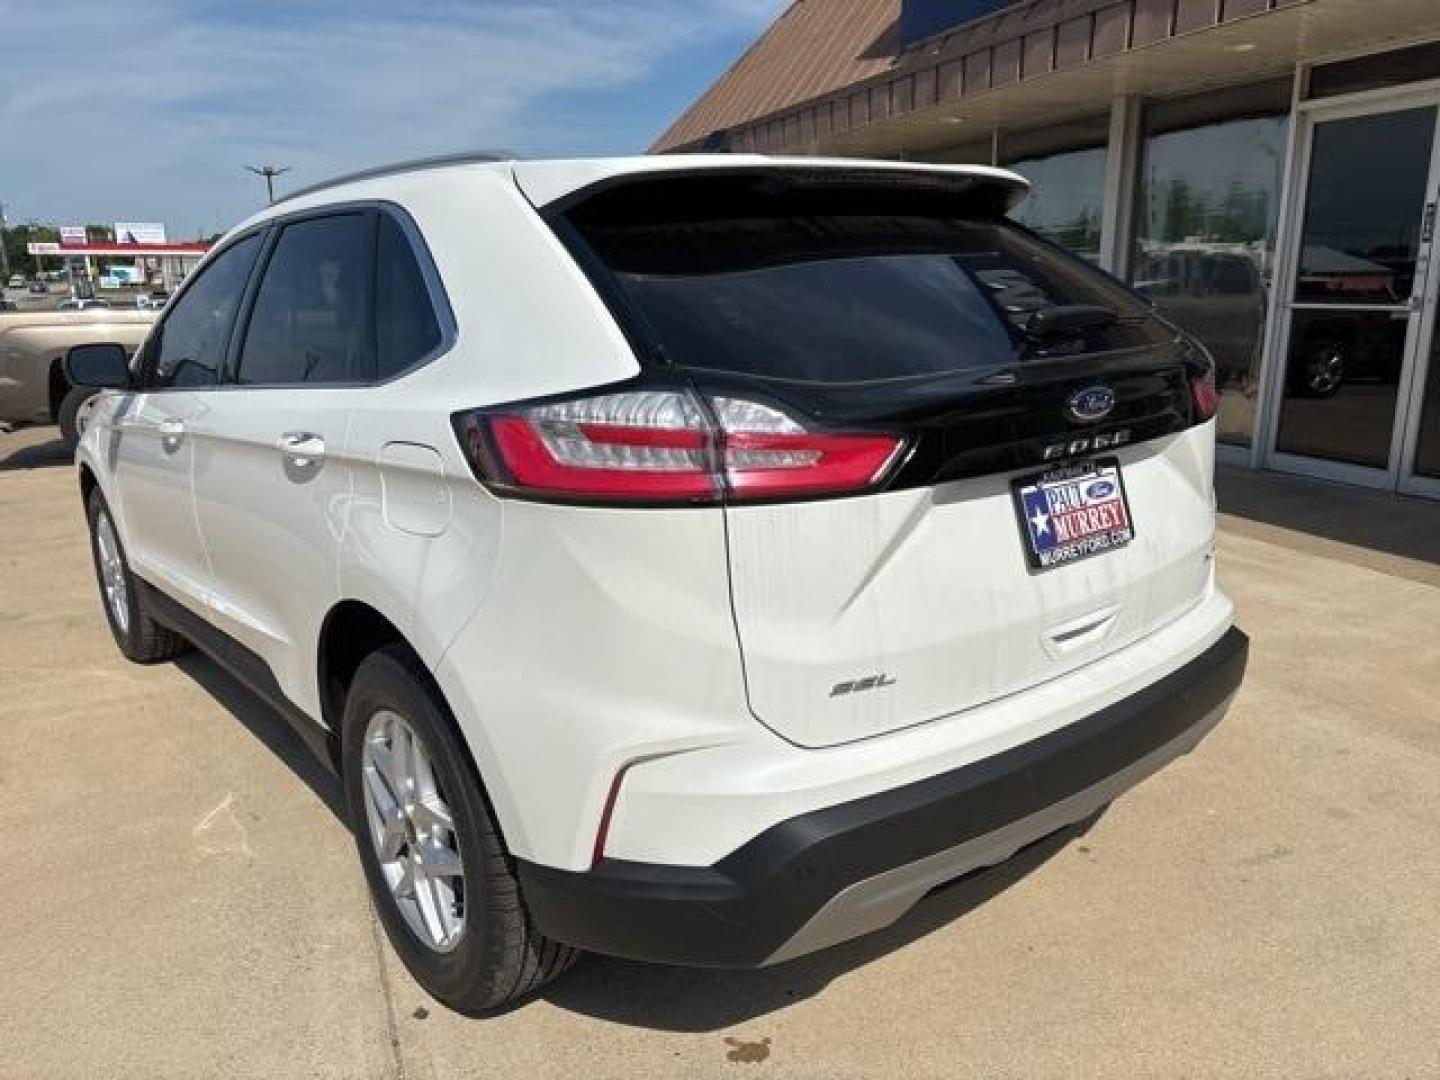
{"x": 1417, "y": 63}
{"x": 1067, "y": 198}
{"x": 1204, "y": 250}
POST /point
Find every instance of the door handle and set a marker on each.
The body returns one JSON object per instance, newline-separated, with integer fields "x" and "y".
{"x": 302, "y": 449}
{"x": 170, "y": 432}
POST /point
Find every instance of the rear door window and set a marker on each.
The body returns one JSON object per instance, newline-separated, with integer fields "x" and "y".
{"x": 843, "y": 298}
{"x": 311, "y": 322}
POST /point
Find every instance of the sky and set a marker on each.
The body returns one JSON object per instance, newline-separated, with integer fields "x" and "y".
{"x": 149, "y": 110}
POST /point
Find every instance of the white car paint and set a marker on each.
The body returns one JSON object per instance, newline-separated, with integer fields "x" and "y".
{"x": 834, "y": 590}
{"x": 579, "y": 644}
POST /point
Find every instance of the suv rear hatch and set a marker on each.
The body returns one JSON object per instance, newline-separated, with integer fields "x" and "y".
{"x": 859, "y": 303}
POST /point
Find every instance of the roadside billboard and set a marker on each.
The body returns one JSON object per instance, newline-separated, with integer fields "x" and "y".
{"x": 72, "y": 234}
{"x": 139, "y": 232}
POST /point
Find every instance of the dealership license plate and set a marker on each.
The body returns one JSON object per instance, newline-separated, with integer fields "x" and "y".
{"x": 1073, "y": 512}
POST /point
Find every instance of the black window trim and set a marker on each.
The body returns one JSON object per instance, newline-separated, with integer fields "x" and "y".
{"x": 434, "y": 289}
{"x": 146, "y": 358}
{"x": 230, "y": 377}
{"x": 269, "y": 231}
{"x": 247, "y": 301}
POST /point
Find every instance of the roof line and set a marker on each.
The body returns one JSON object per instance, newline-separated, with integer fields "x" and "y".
{"x": 655, "y": 146}
{"x": 467, "y": 157}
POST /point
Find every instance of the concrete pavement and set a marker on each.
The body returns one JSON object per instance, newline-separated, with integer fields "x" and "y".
{"x": 180, "y": 899}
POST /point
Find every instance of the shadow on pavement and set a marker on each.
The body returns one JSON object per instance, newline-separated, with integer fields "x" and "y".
{"x": 16, "y": 455}
{"x": 695, "y": 1000}
{"x": 268, "y": 726}
{"x": 1378, "y": 521}
{"x": 650, "y": 995}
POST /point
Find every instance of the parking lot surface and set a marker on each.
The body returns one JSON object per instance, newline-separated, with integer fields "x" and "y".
{"x": 180, "y": 899}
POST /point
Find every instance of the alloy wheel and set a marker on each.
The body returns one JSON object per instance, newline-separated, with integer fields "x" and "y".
{"x": 413, "y": 832}
{"x": 112, "y": 572}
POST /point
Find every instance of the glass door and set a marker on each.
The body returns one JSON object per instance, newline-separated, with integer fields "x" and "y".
{"x": 1359, "y": 296}
{"x": 1420, "y": 456}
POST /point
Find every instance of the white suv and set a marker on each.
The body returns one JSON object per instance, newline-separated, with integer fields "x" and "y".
{"x": 692, "y": 559}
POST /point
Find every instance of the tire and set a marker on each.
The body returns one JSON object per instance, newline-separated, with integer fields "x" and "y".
{"x": 69, "y": 418}
{"x": 494, "y": 954}
{"x": 139, "y": 637}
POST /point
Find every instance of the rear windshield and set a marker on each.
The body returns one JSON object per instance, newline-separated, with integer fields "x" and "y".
{"x": 836, "y": 296}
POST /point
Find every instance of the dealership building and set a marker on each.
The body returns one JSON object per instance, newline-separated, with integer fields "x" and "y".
{"x": 1267, "y": 171}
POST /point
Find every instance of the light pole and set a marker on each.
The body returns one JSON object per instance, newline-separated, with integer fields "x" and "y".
{"x": 4, "y": 254}
{"x": 269, "y": 172}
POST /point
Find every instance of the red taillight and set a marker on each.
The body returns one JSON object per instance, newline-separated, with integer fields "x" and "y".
{"x": 831, "y": 463}
{"x": 532, "y": 463}
{"x": 1200, "y": 370}
{"x": 662, "y": 446}
{"x": 1205, "y": 396}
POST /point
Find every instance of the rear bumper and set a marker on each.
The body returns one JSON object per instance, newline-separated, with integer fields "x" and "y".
{"x": 835, "y": 873}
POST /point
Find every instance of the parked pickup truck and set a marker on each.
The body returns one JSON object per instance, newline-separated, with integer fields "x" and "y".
{"x": 33, "y": 344}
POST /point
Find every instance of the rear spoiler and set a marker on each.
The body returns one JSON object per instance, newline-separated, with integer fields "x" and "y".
{"x": 555, "y": 186}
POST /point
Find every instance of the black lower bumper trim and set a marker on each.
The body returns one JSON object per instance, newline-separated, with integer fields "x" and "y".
{"x": 738, "y": 912}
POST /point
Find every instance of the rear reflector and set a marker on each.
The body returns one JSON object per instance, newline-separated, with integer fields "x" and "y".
{"x": 1205, "y": 395}
{"x": 1200, "y": 370}
{"x": 607, "y": 813}
{"x": 664, "y": 446}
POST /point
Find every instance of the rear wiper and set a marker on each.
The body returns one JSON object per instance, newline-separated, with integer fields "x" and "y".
{"x": 1063, "y": 322}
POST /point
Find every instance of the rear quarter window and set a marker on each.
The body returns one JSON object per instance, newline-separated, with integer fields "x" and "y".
{"x": 406, "y": 327}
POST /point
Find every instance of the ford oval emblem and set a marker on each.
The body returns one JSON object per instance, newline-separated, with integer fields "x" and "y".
{"x": 1090, "y": 404}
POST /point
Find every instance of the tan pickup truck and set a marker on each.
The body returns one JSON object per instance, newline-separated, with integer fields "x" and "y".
{"x": 33, "y": 344}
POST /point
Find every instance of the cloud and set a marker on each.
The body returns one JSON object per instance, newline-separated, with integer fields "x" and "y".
{"x": 150, "y": 110}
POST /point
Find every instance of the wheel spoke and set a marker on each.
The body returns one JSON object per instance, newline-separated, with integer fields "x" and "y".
{"x": 386, "y": 810}
{"x": 438, "y": 860}
{"x": 447, "y": 896}
{"x": 384, "y": 752}
{"x": 408, "y": 761}
{"x": 431, "y": 913}
{"x": 405, "y": 885}
{"x": 432, "y": 814}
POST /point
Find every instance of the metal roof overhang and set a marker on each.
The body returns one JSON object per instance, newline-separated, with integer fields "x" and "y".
{"x": 1266, "y": 45}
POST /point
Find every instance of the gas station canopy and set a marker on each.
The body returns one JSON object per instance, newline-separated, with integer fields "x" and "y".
{"x": 192, "y": 250}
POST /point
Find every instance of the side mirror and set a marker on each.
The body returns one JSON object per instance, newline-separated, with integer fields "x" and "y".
{"x": 105, "y": 366}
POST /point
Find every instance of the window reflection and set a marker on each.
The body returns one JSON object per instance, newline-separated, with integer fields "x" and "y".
{"x": 1205, "y": 246}
{"x": 1427, "y": 450}
{"x": 1363, "y": 210}
{"x": 1067, "y": 199}
{"x": 1342, "y": 378}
